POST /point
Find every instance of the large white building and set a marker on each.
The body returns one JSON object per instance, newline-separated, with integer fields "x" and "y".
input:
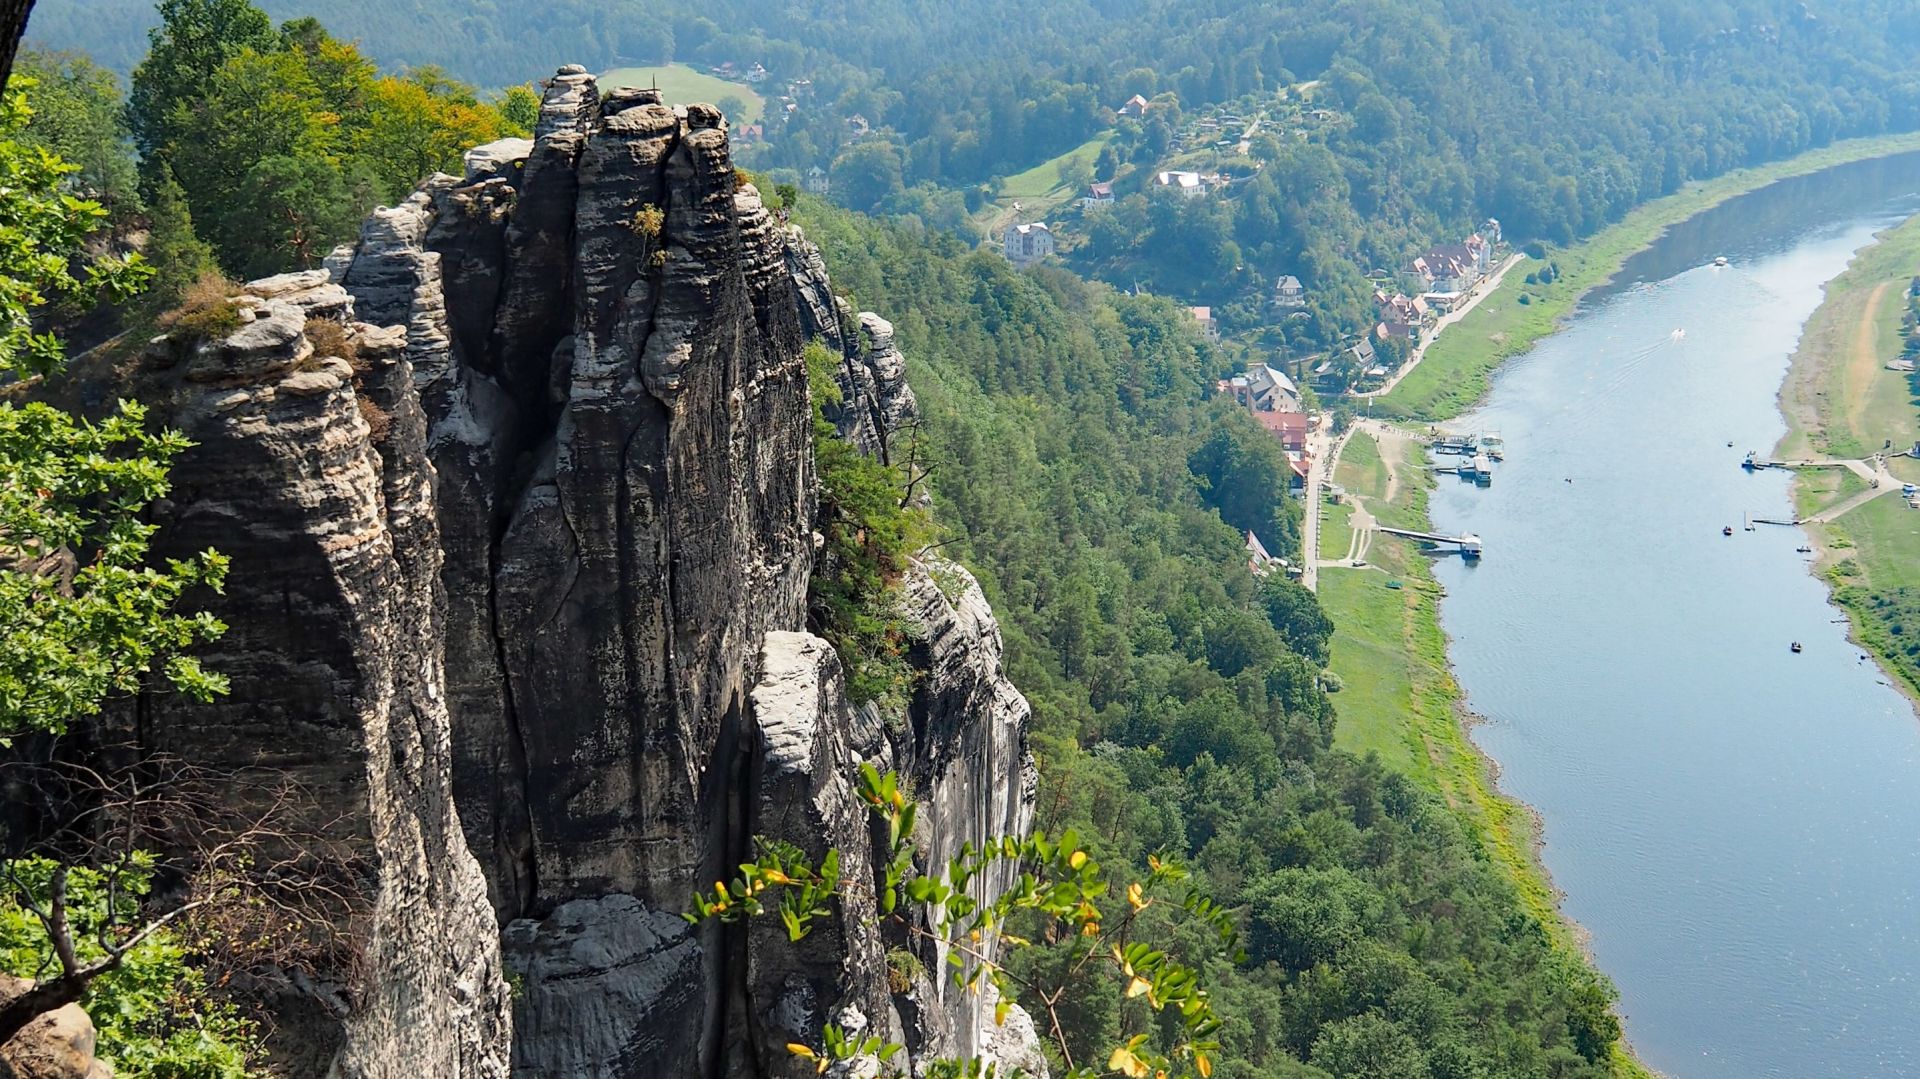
{"x": 1028, "y": 244}
{"x": 1190, "y": 184}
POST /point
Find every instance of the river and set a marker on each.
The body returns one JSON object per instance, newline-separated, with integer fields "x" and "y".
{"x": 1737, "y": 827}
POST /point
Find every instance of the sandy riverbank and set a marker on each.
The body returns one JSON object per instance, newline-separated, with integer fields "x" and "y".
{"x": 1840, "y": 400}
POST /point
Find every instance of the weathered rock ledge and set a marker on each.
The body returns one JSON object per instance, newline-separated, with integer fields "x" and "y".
{"x": 519, "y": 591}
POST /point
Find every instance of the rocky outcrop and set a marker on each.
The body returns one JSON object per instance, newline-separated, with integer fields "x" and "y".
{"x": 519, "y": 592}
{"x": 876, "y": 404}
{"x": 333, "y": 651}
{"x": 606, "y": 331}
{"x": 57, "y": 1045}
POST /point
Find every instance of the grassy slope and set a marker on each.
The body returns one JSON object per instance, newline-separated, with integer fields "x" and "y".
{"x": 1400, "y": 699}
{"x": 682, "y": 85}
{"x": 1841, "y": 399}
{"x": 1043, "y": 180}
{"x": 1038, "y": 190}
{"x": 1455, "y": 372}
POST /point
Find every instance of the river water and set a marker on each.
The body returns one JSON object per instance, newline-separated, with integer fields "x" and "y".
{"x": 1738, "y": 827}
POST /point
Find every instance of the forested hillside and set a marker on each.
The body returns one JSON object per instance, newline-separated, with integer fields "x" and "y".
{"x": 1390, "y": 124}
{"x": 1177, "y": 699}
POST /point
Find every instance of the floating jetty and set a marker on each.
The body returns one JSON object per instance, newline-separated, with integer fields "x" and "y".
{"x": 1468, "y": 545}
{"x": 1479, "y": 469}
{"x": 1456, "y": 445}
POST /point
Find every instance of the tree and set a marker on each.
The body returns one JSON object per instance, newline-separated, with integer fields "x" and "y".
{"x": 302, "y": 205}
{"x": 87, "y": 910}
{"x": 1244, "y": 476}
{"x": 179, "y": 257}
{"x": 193, "y": 39}
{"x": 732, "y": 107}
{"x": 79, "y": 116}
{"x": 81, "y": 614}
{"x": 520, "y": 109}
{"x": 419, "y": 125}
{"x": 256, "y": 106}
{"x": 1296, "y": 613}
{"x": 868, "y": 175}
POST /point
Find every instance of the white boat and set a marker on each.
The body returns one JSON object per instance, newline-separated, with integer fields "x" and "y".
{"x": 1721, "y": 261}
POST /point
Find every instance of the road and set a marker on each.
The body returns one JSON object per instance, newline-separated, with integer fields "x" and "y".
{"x": 1322, "y": 451}
{"x": 1480, "y": 292}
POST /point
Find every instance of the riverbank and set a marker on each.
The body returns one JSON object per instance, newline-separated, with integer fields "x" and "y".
{"x": 1455, "y": 371}
{"x": 1840, "y": 400}
{"x": 1399, "y": 697}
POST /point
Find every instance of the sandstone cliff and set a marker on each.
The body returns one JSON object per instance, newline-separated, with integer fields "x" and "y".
{"x": 523, "y": 587}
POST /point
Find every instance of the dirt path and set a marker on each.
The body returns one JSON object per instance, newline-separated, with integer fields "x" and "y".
{"x": 1392, "y": 442}
{"x": 1863, "y": 361}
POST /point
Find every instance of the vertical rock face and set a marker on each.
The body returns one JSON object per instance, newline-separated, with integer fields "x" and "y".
{"x": 539, "y": 549}
{"x": 334, "y": 653}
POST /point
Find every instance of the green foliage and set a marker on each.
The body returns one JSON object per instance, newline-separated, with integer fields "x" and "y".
{"x": 280, "y": 143}
{"x": 519, "y": 108}
{"x": 1061, "y": 893}
{"x": 853, "y": 598}
{"x": 1178, "y": 701}
{"x": 42, "y": 230}
{"x": 1244, "y": 475}
{"x": 154, "y": 1014}
{"x": 84, "y": 616}
{"x": 78, "y": 117}
{"x": 179, "y": 257}
{"x": 193, "y": 40}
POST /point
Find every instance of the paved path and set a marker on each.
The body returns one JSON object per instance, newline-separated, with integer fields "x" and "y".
{"x": 1888, "y": 484}
{"x": 1480, "y": 292}
{"x": 1323, "y": 452}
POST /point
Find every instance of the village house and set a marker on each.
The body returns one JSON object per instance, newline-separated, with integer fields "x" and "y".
{"x": 748, "y": 134}
{"x": 1365, "y": 359}
{"x": 1396, "y": 330}
{"x": 1189, "y": 184}
{"x": 817, "y": 182}
{"x": 1446, "y": 269}
{"x": 1289, "y": 427}
{"x": 1135, "y": 106}
{"x": 1097, "y": 195}
{"x": 1027, "y": 244}
{"x": 1399, "y": 308}
{"x": 1262, "y": 389}
{"x": 756, "y": 73}
{"x": 1204, "y": 316}
{"x": 1289, "y": 292}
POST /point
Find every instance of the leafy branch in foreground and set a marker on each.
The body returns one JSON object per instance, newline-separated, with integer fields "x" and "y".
{"x": 1061, "y": 894}
{"x": 85, "y": 617}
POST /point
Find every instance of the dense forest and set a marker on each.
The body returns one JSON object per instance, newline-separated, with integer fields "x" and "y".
{"x": 1178, "y": 699}
{"x": 1554, "y": 117}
